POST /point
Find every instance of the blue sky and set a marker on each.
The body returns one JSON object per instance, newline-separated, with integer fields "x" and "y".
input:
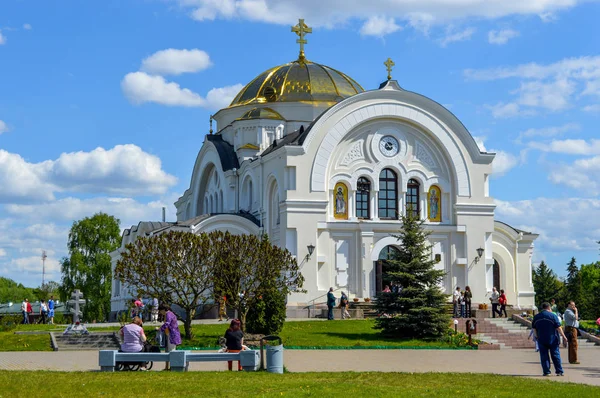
{"x": 104, "y": 104}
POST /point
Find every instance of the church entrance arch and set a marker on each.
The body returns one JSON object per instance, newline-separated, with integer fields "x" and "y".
{"x": 383, "y": 267}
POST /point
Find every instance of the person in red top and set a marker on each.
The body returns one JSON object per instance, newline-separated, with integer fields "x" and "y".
{"x": 502, "y": 301}
{"x": 29, "y": 312}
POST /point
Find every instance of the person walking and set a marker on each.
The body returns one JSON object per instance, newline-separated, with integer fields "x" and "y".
{"x": 234, "y": 341}
{"x": 51, "y": 306}
{"x": 223, "y": 308}
{"x": 502, "y": 301}
{"x": 547, "y": 329}
{"x": 468, "y": 298}
{"x": 43, "y": 311}
{"x": 494, "y": 300}
{"x": 456, "y": 301}
{"x": 154, "y": 313}
{"x": 330, "y": 304}
{"x": 344, "y": 306}
{"x": 170, "y": 328}
{"x": 24, "y": 312}
{"x": 571, "y": 328}
{"x": 29, "y": 312}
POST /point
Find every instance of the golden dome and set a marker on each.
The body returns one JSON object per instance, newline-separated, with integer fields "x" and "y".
{"x": 298, "y": 81}
{"x": 261, "y": 113}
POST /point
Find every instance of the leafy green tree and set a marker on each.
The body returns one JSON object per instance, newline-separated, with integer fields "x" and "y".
{"x": 176, "y": 267}
{"x": 573, "y": 282}
{"x": 250, "y": 267}
{"x": 418, "y": 310}
{"x": 88, "y": 266}
{"x": 589, "y": 300}
{"x": 46, "y": 290}
{"x": 11, "y": 291}
{"x": 268, "y": 314}
{"x": 546, "y": 284}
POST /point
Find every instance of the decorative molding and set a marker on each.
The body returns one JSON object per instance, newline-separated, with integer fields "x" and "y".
{"x": 354, "y": 154}
{"x": 474, "y": 209}
{"x": 423, "y": 155}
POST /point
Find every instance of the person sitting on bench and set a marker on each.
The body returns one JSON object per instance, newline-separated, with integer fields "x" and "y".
{"x": 133, "y": 337}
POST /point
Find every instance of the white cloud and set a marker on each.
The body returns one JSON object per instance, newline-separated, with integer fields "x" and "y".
{"x": 564, "y": 224}
{"x": 139, "y": 88}
{"x": 592, "y": 108}
{"x": 453, "y": 36}
{"x": 2, "y": 252}
{"x": 218, "y": 98}
{"x": 175, "y": 62}
{"x": 511, "y": 109}
{"x": 27, "y": 26}
{"x": 124, "y": 169}
{"x": 549, "y": 132}
{"x": 501, "y": 36}
{"x": 503, "y": 162}
{"x": 3, "y": 127}
{"x": 582, "y": 174}
{"x": 552, "y": 87}
{"x": 569, "y": 147}
{"x": 2, "y": 39}
{"x": 480, "y": 143}
{"x": 379, "y": 26}
{"x": 338, "y": 12}
{"x": 128, "y": 210}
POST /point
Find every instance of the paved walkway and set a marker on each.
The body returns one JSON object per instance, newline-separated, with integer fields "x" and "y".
{"x": 505, "y": 362}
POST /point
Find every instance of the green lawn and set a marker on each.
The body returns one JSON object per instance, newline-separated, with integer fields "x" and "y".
{"x": 317, "y": 334}
{"x": 306, "y": 334}
{"x": 222, "y": 384}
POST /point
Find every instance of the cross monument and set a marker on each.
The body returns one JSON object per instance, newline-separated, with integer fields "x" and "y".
{"x": 76, "y": 301}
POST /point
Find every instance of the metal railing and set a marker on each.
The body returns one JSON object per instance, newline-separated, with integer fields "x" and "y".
{"x": 311, "y": 304}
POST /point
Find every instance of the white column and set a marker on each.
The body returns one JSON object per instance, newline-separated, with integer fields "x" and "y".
{"x": 351, "y": 199}
{"x": 375, "y": 205}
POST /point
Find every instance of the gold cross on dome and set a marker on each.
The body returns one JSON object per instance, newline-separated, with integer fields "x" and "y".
{"x": 301, "y": 30}
{"x": 389, "y": 64}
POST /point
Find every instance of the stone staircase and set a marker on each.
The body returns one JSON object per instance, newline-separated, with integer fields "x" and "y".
{"x": 91, "y": 341}
{"x": 509, "y": 334}
{"x": 503, "y": 332}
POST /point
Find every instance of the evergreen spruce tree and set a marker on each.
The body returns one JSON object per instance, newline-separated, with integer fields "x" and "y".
{"x": 546, "y": 284}
{"x": 573, "y": 282}
{"x": 418, "y": 309}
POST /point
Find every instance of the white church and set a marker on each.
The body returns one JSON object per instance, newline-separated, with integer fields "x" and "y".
{"x": 325, "y": 168}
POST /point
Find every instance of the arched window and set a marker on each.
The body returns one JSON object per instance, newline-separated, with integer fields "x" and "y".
{"x": 363, "y": 194}
{"x": 388, "y": 194}
{"x": 412, "y": 198}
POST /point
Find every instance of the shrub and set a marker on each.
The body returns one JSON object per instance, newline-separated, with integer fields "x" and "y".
{"x": 9, "y": 322}
{"x": 268, "y": 315}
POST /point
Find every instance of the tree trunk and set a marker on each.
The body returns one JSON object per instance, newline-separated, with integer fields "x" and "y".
{"x": 243, "y": 315}
{"x": 187, "y": 323}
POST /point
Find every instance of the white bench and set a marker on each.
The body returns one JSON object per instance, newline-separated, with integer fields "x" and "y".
{"x": 179, "y": 360}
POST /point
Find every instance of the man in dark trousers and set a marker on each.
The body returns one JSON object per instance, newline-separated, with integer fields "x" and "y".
{"x": 571, "y": 328}
{"x": 330, "y": 304}
{"x": 547, "y": 329}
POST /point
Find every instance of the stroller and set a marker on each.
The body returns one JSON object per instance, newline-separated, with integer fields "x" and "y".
{"x": 135, "y": 366}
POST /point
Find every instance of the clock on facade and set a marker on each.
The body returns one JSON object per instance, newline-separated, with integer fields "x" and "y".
{"x": 389, "y": 146}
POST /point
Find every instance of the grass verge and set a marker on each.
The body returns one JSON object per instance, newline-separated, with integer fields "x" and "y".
{"x": 222, "y": 384}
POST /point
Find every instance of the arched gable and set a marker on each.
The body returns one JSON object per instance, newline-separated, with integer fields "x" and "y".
{"x": 330, "y": 129}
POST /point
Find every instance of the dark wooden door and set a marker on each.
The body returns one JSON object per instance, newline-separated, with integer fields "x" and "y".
{"x": 496, "y": 272}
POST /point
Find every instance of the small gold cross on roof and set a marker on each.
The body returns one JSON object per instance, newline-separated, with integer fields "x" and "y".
{"x": 301, "y": 30}
{"x": 389, "y": 64}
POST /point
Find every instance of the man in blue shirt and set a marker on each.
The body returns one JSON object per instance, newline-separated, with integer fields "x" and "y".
{"x": 547, "y": 329}
{"x": 51, "y": 306}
